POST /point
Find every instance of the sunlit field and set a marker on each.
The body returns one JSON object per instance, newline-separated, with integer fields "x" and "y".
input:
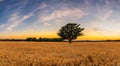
{"x": 59, "y": 54}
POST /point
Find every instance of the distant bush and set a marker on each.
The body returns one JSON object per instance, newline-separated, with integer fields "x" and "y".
{"x": 31, "y": 39}
{"x": 45, "y": 39}
{"x": 50, "y": 39}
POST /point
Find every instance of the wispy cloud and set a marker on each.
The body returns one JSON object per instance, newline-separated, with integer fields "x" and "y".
{"x": 2, "y": 25}
{"x": 1, "y": 0}
{"x": 43, "y": 5}
{"x": 107, "y": 3}
{"x": 87, "y": 4}
{"x": 107, "y": 15}
{"x": 104, "y": 13}
{"x": 97, "y": 32}
{"x": 47, "y": 24}
{"x": 16, "y": 19}
{"x": 62, "y": 14}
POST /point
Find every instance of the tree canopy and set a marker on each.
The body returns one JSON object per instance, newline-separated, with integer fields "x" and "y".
{"x": 70, "y": 31}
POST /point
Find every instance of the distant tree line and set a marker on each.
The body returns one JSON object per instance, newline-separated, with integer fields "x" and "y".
{"x": 12, "y": 39}
{"x": 45, "y": 39}
{"x": 55, "y": 40}
{"x": 98, "y": 41}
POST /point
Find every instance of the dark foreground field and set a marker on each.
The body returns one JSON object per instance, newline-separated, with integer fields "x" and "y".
{"x": 59, "y": 54}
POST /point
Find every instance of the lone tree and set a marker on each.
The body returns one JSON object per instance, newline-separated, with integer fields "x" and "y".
{"x": 70, "y": 31}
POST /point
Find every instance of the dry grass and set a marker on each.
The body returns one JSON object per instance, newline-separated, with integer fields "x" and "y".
{"x": 59, "y": 54}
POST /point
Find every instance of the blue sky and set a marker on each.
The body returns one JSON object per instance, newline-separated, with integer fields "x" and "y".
{"x": 25, "y": 18}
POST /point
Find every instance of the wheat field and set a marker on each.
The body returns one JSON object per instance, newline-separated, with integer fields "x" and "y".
{"x": 59, "y": 54}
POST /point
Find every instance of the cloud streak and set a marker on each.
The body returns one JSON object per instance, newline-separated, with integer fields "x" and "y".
{"x": 1, "y": 0}
{"x": 73, "y": 14}
{"x": 16, "y": 19}
{"x": 107, "y": 15}
{"x": 43, "y": 5}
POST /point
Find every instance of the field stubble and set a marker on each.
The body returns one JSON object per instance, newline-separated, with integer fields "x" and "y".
{"x": 59, "y": 54}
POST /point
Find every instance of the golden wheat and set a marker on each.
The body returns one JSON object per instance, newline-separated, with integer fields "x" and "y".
{"x": 59, "y": 54}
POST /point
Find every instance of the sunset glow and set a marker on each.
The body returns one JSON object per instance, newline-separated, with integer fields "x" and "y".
{"x": 44, "y": 18}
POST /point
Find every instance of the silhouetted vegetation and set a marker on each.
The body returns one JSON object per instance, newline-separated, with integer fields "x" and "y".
{"x": 70, "y": 31}
{"x": 31, "y": 39}
{"x": 45, "y": 39}
{"x": 56, "y": 40}
{"x": 12, "y": 39}
{"x": 50, "y": 39}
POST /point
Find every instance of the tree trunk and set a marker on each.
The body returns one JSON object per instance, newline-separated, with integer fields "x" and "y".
{"x": 70, "y": 41}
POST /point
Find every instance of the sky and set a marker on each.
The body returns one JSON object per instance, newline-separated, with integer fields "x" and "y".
{"x": 44, "y": 18}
